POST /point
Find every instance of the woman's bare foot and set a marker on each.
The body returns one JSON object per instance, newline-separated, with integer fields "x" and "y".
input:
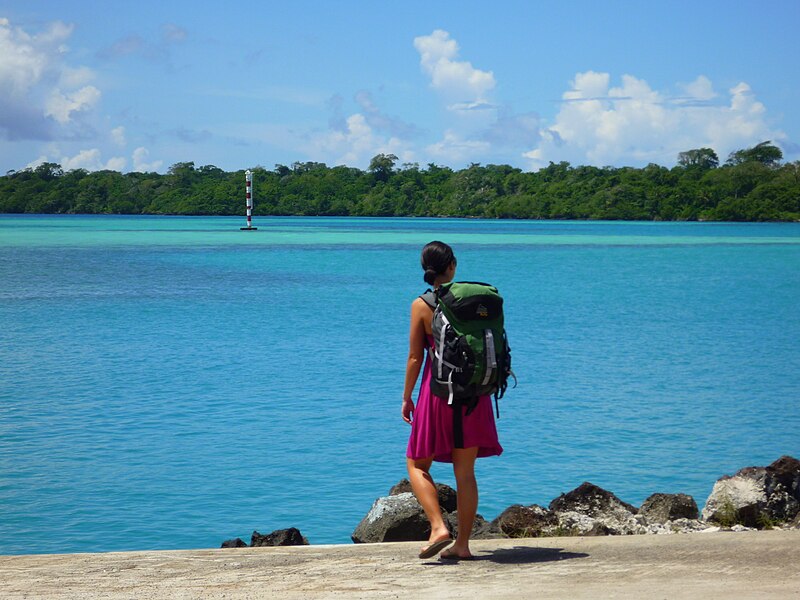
{"x": 439, "y": 540}
{"x": 457, "y": 553}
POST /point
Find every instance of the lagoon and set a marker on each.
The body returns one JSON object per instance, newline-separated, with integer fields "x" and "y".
{"x": 171, "y": 382}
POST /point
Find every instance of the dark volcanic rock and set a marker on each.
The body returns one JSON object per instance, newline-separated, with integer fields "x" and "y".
{"x": 481, "y": 528}
{"x": 448, "y": 499}
{"x": 525, "y": 521}
{"x": 234, "y": 543}
{"x": 757, "y": 496}
{"x": 590, "y": 500}
{"x": 660, "y": 508}
{"x": 401, "y": 487}
{"x": 591, "y": 510}
{"x": 397, "y": 518}
{"x": 279, "y": 537}
{"x": 783, "y": 489}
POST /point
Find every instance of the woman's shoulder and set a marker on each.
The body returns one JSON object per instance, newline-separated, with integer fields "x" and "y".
{"x": 428, "y": 299}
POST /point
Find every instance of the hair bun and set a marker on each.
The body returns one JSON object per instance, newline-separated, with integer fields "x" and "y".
{"x": 436, "y": 258}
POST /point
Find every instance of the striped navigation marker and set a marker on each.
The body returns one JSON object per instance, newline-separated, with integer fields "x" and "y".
{"x": 248, "y": 179}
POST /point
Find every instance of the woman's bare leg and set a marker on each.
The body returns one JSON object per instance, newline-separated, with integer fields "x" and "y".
{"x": 425, "y": 491}
{"x": 467, "y": 489}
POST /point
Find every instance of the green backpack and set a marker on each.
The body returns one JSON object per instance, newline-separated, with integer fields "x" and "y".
{"x": 470, "y": 355}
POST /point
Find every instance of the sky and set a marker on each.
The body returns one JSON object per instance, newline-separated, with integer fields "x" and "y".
{"x": 140, "y": 86}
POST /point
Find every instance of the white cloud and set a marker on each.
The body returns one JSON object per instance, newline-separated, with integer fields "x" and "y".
{"x": 76, "y": 77}
{"x": 454, "y": 149}
{"x": 467, "y": 106}
{"x": 588, "y": 85}
{"x": 634, "y": 124}
{"x": 376, "y": 118}
{"x": 41, "y": 92}
{"x": 25, "y": 58}
{"x": 455, "y": 79}
{"x": 35, "y": 163}
{"x": 91, "y": 161}
{"x": 116, "y": 163}
{"x": 118, "y": 135}
{"x": 356, "y": 144}
{"x": 140, "y": 164}
{"x": 700, "y": 90}
{"x": 61, "y": 106}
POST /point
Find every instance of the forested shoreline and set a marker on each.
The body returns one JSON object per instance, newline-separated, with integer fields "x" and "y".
{"x": 752, "y": 185}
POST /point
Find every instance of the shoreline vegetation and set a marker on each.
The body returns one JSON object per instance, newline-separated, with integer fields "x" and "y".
{"x": 752, "y": 185}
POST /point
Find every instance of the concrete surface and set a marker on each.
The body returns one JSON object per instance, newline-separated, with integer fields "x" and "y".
{"x": 764, "y": 564}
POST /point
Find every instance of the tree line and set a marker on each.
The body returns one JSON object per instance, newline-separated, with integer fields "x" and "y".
{"x": 751, "y": 185}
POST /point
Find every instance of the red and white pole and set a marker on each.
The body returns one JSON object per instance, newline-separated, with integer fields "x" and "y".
{"x": 248, "y": 182}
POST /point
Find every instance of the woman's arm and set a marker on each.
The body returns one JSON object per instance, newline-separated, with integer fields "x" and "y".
{"x": 416, "y": 354}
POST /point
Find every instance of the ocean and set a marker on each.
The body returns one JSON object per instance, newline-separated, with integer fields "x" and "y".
{"x": 172, "y": 382}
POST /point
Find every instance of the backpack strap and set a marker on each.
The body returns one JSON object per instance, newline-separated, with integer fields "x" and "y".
{"x": 458, "y": 425}
{"x": 459, "y": 413}
{"x": 429, "y": 298}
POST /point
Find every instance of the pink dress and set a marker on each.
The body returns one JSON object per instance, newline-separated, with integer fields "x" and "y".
{"x": 432, "y": 426}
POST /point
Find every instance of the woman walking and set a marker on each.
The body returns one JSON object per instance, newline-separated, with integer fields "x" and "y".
{"x": 431, "y": 422}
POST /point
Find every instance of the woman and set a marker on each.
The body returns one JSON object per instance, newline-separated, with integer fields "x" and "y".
{"x": 432, "y": 424}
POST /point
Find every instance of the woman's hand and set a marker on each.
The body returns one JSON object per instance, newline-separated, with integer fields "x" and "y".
{"x": 408, "y": 410}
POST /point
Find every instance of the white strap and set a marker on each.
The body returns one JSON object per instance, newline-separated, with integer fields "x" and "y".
{"x": 441, "y": 344}
{"x": 491, "y": 357}
{"x": 450, "y": 388}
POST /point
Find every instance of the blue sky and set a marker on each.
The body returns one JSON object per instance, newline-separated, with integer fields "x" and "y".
{"x": 139, "y": 86}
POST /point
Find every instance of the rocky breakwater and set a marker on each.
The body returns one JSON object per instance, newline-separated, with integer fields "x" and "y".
{"x": 279, "y": 537}
{"x": 755, "y": 497}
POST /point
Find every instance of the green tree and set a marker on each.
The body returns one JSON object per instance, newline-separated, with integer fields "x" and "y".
{"x": 382, "y": 166}
{"x": 48, "y": 171}
{"x": 765, "y": 153}
{"x": 752, "y": 187}
{"x": 701, "y": 158}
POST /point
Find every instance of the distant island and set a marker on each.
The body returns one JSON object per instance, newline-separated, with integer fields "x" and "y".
{"x": 752, "y": 185}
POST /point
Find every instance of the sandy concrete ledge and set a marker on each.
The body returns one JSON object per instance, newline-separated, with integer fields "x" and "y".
{"x": 764, "y": 564}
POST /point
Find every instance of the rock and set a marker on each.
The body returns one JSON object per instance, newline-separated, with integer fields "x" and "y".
{"x": 571, "y": 523}
{"x": 686, "y": 525}
{"x": 401, "y": 487}
{"x": 739, "y": 498}
{"x": 519, "y": 521}
{"x": 397, "y": 518}
{"x": 658, "y": 529}
{"x": 711, "y": 530}
{"x": 234, "y": 543}
{"x": 677, "y": 526}
{"x": 756, "y": 496}
{"x": 660, "y": 508}
{"x": 448, "y": 499}
{"x": 486, "y": 531}
{"x": 481, "y": 528}
{"x": 783, "y": 491}
{"x": 607, "y": 514}
{"x": 740, "y": 528}
{"x": 279, "y": 537}
{"x": 591, "y": 500}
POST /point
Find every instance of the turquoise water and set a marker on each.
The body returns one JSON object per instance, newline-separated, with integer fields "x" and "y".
{"x": 171, "y": 382}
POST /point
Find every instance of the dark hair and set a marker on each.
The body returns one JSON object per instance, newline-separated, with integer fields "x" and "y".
{"x": 436, "y": 258}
